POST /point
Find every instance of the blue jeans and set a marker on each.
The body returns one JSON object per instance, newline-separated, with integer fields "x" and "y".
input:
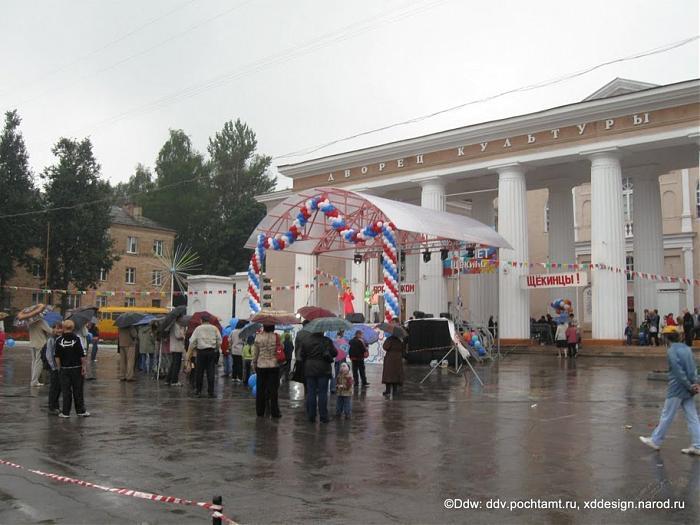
{"x": 672, "y": 405}
{"x": 228, "y": 364}
{"x": 343, "y": 405}
{"x": 317, "y": 395}
{"x": 93, "y": 356}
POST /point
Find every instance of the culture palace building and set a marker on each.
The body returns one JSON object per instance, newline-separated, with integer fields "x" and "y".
{"x": 610, "y": 181}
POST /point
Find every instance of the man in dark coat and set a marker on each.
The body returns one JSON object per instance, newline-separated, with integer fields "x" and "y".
{"x": 317, "y": 354}
{"x": 392, "y": 372}
{"x": 358, "y": 352}
{"x": 688, "y": 327}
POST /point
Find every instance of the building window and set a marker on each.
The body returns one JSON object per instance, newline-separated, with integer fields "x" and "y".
{"x": 546, "y": 217}
{"x": 73, "y": 301}
{"x": 155, "y": 303}
{"x": 37, "y": 270}
{"x": 132, "y": 245}
{"x": 158, "y": 247}
{"x": 628, "y": 204}
{"x": 101, "y": 301}
{"x": 130, "y": 275}
{"x": 629, "y": 266}
{"x": 157, "y": 278}
{"x": 38, "y": 297}
{"x": 129, "y": 301}
{"x": 103, "y": 274}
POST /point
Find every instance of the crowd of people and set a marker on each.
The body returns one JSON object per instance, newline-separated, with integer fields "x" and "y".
{"x": 653, "y": 327}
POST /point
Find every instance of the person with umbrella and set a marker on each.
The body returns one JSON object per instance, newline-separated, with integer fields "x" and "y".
{"x": 206, "y": 340}
{"x": 266, "y": 366}
{"x": 358, "y": 352}
{"x": 39, "y": 332}
{"x": 392, "y": 370}
{"x": 176, "y": 336}
{"x": 317, "y": 354}
{"x": 127, "y": 351}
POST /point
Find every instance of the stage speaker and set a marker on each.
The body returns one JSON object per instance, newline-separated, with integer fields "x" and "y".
{"x": 355, "y": 318}
{"x": 428, "y": 316}
{"x": 419, "y": 315}
{"x": 427, "y": 340}
{"x": 446, "y": 315}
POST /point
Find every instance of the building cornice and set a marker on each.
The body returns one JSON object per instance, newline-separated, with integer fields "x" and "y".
{"x": 672, "y": 95}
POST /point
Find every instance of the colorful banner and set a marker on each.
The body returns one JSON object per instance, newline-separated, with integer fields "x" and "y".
{"x": 554, "y": 280}
{"x": 473, "y": 261}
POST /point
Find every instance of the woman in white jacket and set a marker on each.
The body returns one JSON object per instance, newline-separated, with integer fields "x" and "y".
{"x": 560, "y": 339}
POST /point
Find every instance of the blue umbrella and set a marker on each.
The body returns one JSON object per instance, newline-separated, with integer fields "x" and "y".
{"x": 52, "y": 318}
{"x": 369, "y": 334}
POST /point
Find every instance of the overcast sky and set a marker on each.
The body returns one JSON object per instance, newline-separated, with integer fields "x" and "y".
{"x": 302, "y": 73}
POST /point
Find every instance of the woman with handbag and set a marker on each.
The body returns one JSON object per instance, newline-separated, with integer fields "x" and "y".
{"x": 267, "y": 350}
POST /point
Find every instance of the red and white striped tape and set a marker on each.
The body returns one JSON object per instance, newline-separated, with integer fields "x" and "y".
{"x": 215, "y": 509}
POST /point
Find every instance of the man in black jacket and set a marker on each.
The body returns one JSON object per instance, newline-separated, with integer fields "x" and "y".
{"x": 688, "y": 327}
{"x": 358, "y": 351}
{"x": 317, "y": 354}
{"x": 70, "y": 361}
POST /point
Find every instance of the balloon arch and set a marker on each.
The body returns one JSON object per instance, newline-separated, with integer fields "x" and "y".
{"x": 280, "y": 241}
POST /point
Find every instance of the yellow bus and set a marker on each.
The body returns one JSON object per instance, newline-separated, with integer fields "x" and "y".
{"x": 107, "y": 314}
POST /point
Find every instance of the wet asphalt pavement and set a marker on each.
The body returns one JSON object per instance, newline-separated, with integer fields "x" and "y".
{"x": 541, "y": 428}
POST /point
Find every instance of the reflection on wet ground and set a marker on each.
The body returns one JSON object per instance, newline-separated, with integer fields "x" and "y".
{"x": 541, "y": 428}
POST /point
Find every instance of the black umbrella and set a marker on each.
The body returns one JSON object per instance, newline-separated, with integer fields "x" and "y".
{"x": 128, "y": 319}
{"x": 82, "y": 316}
{"x": 393, "y": 329}
{"x": 167, "y": 322}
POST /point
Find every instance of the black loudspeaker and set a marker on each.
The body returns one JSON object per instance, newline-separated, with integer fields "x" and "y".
{"x": 419, "y": 315}
{"x": 446, "y": 315}
{"x": 428, "y": 316}
{"x": 428, "y": 339}
{"x": 355, "y": 318}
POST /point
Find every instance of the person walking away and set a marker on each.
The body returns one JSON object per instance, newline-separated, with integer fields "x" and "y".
{"x": 39, "y": 332}
{"x": 226, "y": 354}
{"x": 176, "y": 337}
{"x": 654, "y": 321}
{"x": 267, "y": 368}
{"x": 317, "y": 354}
{"x": 70, "y": 361}
{"x": 683, "y": 384}
{"x": 560, "y": 339}
{"x": 392, "y": 371}
{"x": 298, "y": 371}
{"x": 95, "y": 333}
{"x": 54, "y": 377}
{"x": 127, "y": 352}
{"x": 572, "y": 339}
{"x": 206, "y": 339}
{"x": 247, "y": 354}
{"x": 236, "y": 345}
{"x": 147, "y": 346}
{"x": 628, "y": 333}
{"x": 343, "y": 388}
{"x": 688, "y": 327}
{"x": 288, "y": 346}
{"x": 358, "y": 352}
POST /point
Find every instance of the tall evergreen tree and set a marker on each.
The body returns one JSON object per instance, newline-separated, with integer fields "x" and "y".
{"x": 17, "y": 195}
{"x": 79, "y": 242}
{"x": 238, "y": 175}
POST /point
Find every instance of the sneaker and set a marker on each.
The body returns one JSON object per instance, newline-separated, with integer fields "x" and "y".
{"x": 54, "y": 411}
{"x": 176, "y": 384}
{"x": 37, "y": 384}
{"x": 649, "y": 443}
{"x": 84, "y": 414}
{"x": 63, "y": 415}
{"x": 365, "y": 385}
{"x": 691, "y": 451}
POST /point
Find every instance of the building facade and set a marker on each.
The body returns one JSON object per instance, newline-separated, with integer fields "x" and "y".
{"x": 611, "y": 180}
{"x": 138, "y": 278}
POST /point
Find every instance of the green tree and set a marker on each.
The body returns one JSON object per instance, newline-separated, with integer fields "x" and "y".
{"x": 79, "y": 244}
{"x": 17, "y": 195}
{"x": 136, "y": 187}
{"x": 238, "y": 175}
{"x": 183, "y": 199}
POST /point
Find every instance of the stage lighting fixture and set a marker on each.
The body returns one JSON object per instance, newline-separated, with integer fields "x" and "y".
{"x": 444, "y": 254}
{"x": 357, "y": 258}
{"x": 426, "y": 256}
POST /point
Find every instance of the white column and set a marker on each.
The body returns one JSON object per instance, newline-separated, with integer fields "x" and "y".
{"x": 513, "y": 300}
{"x": 607, "y": 246}
{"x": 562, "y": 248}
{"x": 648, "y": 236}
{"x": 304, "y": 273}
{"x": 483, "y": 288}
{"x": 432, "y": 298}
{"x": 686, "y": 216}
{"x": 688, "y": 270}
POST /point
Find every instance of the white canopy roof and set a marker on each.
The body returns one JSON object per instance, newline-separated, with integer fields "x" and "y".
{"x": 415, "y": 224}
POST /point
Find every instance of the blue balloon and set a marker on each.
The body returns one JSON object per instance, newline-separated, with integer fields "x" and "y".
{"x": 10, "y": 343}
{"x": 252, "y": 380}
{"x": 480, "y": 350}
{"x": 227, "y": 331}
{"x": 255, "y": 391}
